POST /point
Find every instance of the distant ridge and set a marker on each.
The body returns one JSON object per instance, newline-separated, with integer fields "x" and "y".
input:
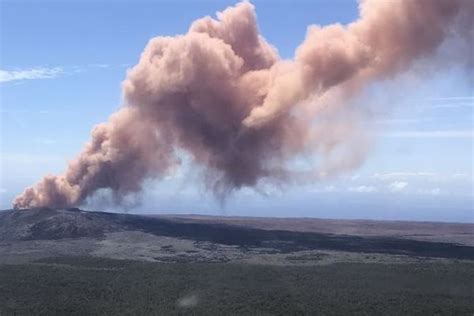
{"x": 49, "y": 224}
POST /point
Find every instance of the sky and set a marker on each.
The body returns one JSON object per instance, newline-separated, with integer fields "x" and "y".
{"x": 62, "y": 63}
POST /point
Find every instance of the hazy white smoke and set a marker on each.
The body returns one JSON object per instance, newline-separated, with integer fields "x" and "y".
{"x": 221, "y": 93}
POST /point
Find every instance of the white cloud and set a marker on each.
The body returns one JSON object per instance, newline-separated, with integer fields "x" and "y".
{"x": 445, "y": 102}
{"x": 425, "y": 176}
{"x": 328, "y": 188}
{"x": 434, "y": 191}
{"x": 453, "y": 102}
{"x": 431, "y": 134}
{"x": 20, "y": 75}
{"x": 395, "y": 121}
{"x": 468, "y": 97}
{"x": 401, "y": 175}
{"x": 397, "y": 186}
{"x": 99, "y": 65}
{"x": 363, "y": 189}
{"x": 30, "y": 74}
{"x": 84, "y": 68}
{"x": 355, "y": 177}
{"x": 461, "y": 176}
{"x": 453, "y": 105}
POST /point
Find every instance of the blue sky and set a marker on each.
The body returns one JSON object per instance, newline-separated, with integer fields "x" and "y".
{"x": 62, "y": 63}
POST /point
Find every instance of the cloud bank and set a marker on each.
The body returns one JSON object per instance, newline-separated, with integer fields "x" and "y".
{"x": 221, "y": 94}
{"x": 30, "y": 74}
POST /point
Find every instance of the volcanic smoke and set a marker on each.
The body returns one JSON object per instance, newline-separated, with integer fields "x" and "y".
{"x": 221, "y": 94}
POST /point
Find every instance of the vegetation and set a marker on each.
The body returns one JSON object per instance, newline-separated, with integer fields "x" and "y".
{"x": 85, "y": 285}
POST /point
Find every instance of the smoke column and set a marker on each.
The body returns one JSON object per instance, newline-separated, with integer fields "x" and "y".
{"x": 221, "y": 94}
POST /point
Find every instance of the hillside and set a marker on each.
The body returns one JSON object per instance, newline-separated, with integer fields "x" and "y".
{"x": 236, "y": 236}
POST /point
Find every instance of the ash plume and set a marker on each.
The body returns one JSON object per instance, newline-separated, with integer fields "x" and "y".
{"x": 221, "y": 94}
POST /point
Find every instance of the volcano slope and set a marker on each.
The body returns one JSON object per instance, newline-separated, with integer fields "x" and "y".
{"x": 71, "y": 261}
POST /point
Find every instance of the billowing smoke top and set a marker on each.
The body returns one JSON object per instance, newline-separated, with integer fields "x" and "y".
{"x": 221, "y": 94}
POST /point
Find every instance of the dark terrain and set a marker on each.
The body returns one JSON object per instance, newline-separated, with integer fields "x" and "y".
{"x": 78, "y": 262}
{"x": 47, "y": 224}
